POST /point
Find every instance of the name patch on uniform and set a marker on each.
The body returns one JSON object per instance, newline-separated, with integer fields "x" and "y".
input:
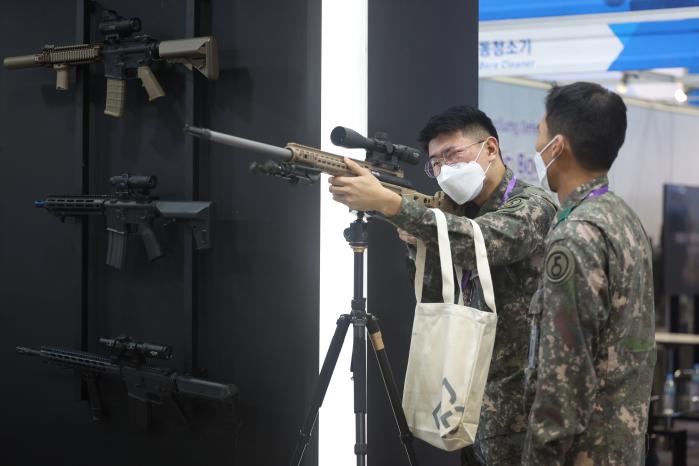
{"x": 515, "y": 203}
{"x": 560, "y": 265}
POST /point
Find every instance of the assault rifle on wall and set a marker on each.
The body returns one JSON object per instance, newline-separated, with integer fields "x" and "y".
{"x": 133, "y": 209}
{"x": 125, "y": 56}
{"x": 303, "y": 164}
{"x": 144, "y": 382}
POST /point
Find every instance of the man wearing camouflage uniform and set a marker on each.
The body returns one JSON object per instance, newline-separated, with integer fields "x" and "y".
{"x": 514, "y": 218}
{"x": 592, "y": 349}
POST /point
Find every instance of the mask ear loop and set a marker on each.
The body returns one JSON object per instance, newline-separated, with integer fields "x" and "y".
{"x": 553, "y": 159}
{"x": 479, "y": 154}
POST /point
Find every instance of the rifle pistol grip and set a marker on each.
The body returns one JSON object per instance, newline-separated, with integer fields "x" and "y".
{"x": 150, "y": 83}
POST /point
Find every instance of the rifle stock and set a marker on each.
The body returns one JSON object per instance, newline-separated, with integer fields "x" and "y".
{"x": 200, "y": 53}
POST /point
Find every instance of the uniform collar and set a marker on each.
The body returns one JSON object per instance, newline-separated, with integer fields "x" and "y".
{"x": 495, "y": 200}
{"x": 579, "y": 194}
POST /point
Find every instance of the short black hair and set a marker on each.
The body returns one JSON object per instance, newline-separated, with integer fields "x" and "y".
{"x": 460, "y": 118}
{"x": 592, "y": 118}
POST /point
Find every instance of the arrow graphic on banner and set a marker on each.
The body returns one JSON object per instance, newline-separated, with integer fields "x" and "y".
{"x": 551, "y": 49}
{"x": 514, "y": 50}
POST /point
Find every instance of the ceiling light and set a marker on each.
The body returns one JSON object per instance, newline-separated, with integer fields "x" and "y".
{"x": 623, "y": 86}
{"x": 680, "y": 95}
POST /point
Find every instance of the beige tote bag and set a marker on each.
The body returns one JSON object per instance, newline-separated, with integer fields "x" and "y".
{"x": 450, "y": 352}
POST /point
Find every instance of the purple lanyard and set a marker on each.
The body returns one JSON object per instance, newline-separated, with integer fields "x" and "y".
{"x": 597, "y": 192}
{"x": 508, "y": 190}
{"x": 563, "y": 214}
{"x": 505, "y": 197}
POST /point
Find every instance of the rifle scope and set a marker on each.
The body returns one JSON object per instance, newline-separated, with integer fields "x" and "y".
{"x": 345, "y": 137}
{"x": 125, "y": 346}
{"x": 126, "y": 182}
{"x": 112, "y": 24}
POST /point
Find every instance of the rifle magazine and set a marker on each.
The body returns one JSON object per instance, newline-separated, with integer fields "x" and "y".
{"x": 116, "y": 91}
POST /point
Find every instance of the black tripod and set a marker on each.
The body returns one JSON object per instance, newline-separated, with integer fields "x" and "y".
{"x": 356, "y": 236}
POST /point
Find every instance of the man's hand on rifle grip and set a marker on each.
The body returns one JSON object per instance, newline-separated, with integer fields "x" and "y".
{"x": 364, "y": 192}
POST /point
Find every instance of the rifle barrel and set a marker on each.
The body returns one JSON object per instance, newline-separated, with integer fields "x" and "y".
{"x": 280, "y": 154}
{"x": 27, "y": 351}
{"x": 23, "y": 61}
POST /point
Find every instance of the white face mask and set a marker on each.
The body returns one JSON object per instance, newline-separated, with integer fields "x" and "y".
{"x": 462, "y": 181}
{"x": 542, "y": 168}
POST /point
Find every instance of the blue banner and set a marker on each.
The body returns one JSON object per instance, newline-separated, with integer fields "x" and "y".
{"x": 662, "y": 44}
{"x": 693, "y": 97}
{"x": 518, "y": 9}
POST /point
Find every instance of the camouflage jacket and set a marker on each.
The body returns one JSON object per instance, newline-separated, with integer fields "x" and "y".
{"x": 593, "y": 321}
{"x": 514, "y": 233}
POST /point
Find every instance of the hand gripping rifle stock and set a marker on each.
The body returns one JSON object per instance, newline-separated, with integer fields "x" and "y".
{"x": 295, "y": 158}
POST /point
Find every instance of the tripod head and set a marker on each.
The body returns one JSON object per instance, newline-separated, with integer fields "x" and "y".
{"x": 356, "y": 234}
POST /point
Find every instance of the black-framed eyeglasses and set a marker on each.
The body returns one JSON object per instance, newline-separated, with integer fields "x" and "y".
{"x": 446, "y": 157}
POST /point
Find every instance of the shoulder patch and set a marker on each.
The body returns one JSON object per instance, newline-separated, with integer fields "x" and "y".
{"x": 540, "y": 194}
{"x": 513, "y": 204}
{"x": 535, "y": 191}
{"x": 559, "y": 265}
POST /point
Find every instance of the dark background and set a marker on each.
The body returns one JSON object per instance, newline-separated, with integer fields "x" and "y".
{"x": 244, "y": 312}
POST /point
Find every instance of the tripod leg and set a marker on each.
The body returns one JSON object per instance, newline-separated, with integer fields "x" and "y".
{"x": 321, "y": 387}
{"x": 360, "y": 395}
{"x": 391, "y": 388}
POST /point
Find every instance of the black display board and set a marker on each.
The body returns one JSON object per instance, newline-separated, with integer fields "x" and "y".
{"x": 244, "y": 312}
{"x": 680, "y": 240}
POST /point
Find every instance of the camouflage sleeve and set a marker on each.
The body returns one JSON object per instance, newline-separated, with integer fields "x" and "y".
{"x": 511, "y": 233}
{"x": 574, "y": 305}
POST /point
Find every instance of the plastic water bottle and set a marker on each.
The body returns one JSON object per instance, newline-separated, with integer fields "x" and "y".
{"x": 669, "y": 394}
{"x": 694, "y": 390}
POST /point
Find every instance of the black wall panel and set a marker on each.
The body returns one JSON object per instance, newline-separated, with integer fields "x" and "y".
{"x": 244, "y": 312}
{"x": 422, "y": 59}
{"x": 145, "y": 299}
{"x": 259, "y": 289}
{"x": 40, "y": 259}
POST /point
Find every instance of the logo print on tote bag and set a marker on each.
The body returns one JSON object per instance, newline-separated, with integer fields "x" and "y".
{"x": 452, "y": 398}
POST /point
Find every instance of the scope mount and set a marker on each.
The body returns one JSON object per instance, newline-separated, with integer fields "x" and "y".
{"x": 382, "y": 158}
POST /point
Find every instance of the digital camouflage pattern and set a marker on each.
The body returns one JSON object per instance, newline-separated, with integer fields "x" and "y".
{"x": 514, "y": 233}
{"x": 593, "y": 319}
